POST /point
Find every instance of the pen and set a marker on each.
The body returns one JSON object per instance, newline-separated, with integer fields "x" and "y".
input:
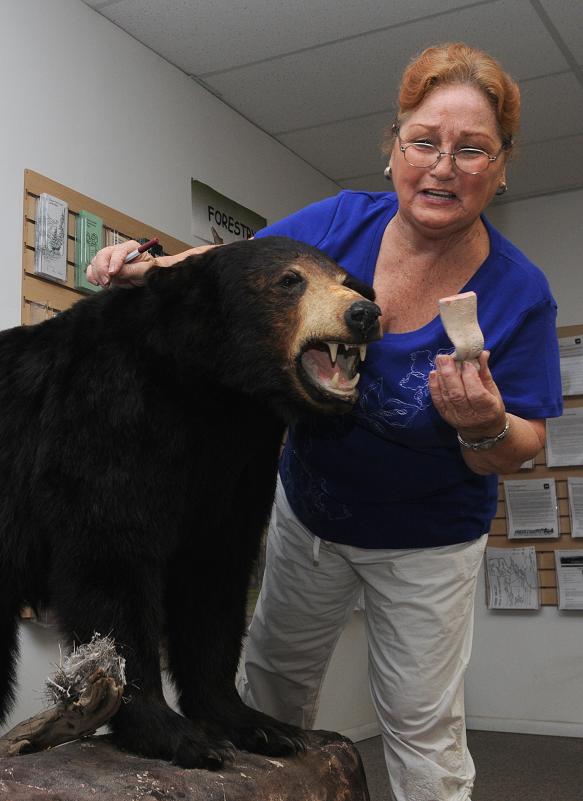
{"x": 135, "y": 253}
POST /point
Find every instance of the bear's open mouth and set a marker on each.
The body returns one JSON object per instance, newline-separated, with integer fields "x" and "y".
{"x": 332, "y": 368}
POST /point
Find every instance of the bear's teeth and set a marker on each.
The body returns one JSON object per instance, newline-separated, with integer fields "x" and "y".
{"x": 333, "y": 347}
{"x": 347, "y": 384}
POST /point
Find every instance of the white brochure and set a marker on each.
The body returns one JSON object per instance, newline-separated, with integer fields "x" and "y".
{"x": 565, "y": 439}
{"x": 50, "y": 258}
{"x": 531, "y": 508}
{"x": 575, "y": 490}
{"x": 571, "y": 355}
{"x": 569, "y": 565}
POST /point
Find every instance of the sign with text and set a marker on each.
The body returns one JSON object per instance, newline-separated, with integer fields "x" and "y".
{"x": 217, "y": 219}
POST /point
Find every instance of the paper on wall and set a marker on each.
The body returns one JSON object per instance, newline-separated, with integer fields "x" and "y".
{"x": 565, "y": 439}
{"x": 531, "y": 508}
{"x": 569, "y": 566}
{"x": 512, "y": 578}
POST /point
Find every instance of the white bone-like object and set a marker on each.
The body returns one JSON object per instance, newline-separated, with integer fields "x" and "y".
{"x": 459, "y": 315}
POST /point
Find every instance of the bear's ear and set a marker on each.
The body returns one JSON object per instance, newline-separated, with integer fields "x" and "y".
{"x": 363, "y": 289}
{"x": 177, "y": 279}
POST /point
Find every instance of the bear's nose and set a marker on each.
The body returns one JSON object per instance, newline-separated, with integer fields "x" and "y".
{"x": 362, "y": 317}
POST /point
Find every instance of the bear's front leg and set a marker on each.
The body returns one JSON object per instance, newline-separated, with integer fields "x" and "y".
{"x": 147, "y": 726}
{"x": 255, "y": 731}
{"x": 123, "y": 600}
{"x": 204, "y": 655}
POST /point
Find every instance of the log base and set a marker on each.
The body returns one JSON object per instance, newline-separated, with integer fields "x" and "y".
{"x": 94, "y": 769}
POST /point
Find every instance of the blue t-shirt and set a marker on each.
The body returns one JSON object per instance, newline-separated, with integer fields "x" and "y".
{"x": 390, "y": 473}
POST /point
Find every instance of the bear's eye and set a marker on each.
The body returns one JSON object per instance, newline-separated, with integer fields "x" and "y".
{"x": 290, "y": 279}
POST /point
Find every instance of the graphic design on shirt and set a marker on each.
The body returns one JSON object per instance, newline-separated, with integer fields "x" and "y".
{"x": 314, "y": 497}
{"x": 308, "y": 492}
{"x": 380, "y": 413}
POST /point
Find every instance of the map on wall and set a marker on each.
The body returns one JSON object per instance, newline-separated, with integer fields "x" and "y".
{"x": 512, "y": 578}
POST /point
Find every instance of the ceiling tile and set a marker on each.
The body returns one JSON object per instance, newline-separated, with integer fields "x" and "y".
{"x": 346, "y": 148}
{"x": 567, "y": 17}
{"x": 98, "y": 5}
{"x": 551, "y": 106}
{"x": 324, "y": 85}
{"x": 209, "y": 35}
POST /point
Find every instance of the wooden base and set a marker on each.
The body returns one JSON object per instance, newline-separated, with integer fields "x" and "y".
{"x": 94, "y": 769}
{"x": 63, "y": 722}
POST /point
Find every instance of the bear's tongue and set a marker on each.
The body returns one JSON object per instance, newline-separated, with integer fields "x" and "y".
{"x": 332, "y": 368}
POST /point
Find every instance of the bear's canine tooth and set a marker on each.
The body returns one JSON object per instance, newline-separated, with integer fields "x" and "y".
{"x": 362, "y": 352}
{"x": 350, "y": 384}
{"x": 333, "y": 347}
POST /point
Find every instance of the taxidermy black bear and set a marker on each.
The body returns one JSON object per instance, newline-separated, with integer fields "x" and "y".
{"x": 139, "y": 441}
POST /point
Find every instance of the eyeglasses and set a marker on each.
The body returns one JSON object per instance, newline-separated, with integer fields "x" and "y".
{"x": 424, "y": 155}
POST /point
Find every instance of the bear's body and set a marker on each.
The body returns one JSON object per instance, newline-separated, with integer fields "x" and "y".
{"x": 139, "y": 440}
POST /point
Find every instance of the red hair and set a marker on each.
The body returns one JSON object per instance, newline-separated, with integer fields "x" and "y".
{"x": 458, "y": 63}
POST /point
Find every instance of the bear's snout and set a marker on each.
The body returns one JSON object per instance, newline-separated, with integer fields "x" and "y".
{"x": 361, "y": 318}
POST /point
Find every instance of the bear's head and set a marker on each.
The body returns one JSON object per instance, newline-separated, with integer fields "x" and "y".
{"x": 274, "y": 319}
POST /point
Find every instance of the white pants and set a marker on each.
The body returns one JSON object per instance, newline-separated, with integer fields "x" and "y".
{"x": 419, "y": 622}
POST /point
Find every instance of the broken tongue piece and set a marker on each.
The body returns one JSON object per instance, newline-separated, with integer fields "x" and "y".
{"x": 459, "y": 315}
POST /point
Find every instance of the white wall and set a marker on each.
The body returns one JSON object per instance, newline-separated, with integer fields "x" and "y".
{"x": 549, "y": 230}
{"x": 526, "y": 673}
{"x": 89, "y": 107}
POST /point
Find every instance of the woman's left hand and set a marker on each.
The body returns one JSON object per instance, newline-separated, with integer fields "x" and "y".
{"x": 466, "y": 398}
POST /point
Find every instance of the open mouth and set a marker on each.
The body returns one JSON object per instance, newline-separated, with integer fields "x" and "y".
{"x": 331, "y": 368}
{"x": 441, "y": 194}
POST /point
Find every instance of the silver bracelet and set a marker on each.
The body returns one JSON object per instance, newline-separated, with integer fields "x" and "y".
{"x": 486, "y": 443}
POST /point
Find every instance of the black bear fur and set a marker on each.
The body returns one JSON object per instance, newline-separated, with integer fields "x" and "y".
{"x": 139, "y": 441}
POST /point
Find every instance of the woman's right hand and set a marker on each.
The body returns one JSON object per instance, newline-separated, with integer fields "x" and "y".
{"x": 107, "y": 267}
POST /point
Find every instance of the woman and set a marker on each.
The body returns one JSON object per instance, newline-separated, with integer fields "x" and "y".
{"x": 395, "y": 499}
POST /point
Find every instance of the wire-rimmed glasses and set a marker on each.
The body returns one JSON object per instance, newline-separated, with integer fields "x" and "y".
{"x": 424, "y": 155}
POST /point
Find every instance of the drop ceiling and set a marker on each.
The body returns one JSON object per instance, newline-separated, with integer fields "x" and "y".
{"x": 321, "y": 76}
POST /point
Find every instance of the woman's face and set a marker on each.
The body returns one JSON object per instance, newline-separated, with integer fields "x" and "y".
{"x": 442, "y": 200}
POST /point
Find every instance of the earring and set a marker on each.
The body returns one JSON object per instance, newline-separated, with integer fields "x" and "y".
{"x": 502, "y": 189}
{"x": 388, "y": 173}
